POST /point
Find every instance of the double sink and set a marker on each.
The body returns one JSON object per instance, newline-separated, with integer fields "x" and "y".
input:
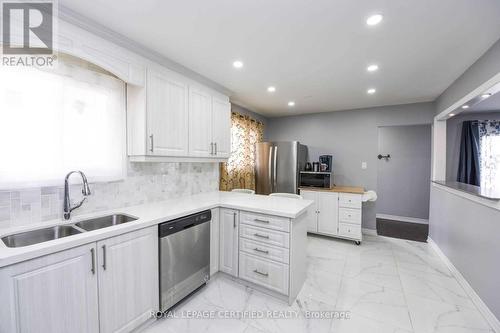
{"x": 60, "y": 231}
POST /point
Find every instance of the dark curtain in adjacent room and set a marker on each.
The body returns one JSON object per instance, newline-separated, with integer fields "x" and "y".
{"x": 468, "y": 163}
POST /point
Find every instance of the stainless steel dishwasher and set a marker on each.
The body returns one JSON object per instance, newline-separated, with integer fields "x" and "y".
{"x": 184, "y": 257}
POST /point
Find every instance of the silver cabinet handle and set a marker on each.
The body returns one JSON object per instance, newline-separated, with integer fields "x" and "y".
{"x": 151, "y": 138}
{"x": 92, "y": 255}
{"x": 211, "y": 148}
{"x": 234, "y": 220}
{"x": 261, "y": 221}
{"x": 215, "y": 148}
{"x": 104, "y": 257}
{"x": 260, "y": 273}
{"x": 261, "y": 236}
{"x": 261, "y": 251}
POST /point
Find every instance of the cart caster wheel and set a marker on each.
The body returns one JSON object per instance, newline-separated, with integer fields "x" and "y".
{"x": 357, "y": 242}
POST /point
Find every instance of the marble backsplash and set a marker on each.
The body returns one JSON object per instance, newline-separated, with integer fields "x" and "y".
{"x": 145, "y": 182}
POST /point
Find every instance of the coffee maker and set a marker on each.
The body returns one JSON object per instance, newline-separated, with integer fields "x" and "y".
{"x": 328, "y": 160}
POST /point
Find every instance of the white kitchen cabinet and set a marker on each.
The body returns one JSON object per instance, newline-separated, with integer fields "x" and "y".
{"x": 200, "y": 120}
{"x": 312, "y": 216}
{"x": 57, "y": 293}
{"x": 128, "y": 280}
{"x": 214, "y": 242}
{"x": 228, "y": 251}
{"x": 221, "y": 126}
{"x": 328, "y": 221}
{"x": 167, "y": 115}
{"x": 334, "y": 214}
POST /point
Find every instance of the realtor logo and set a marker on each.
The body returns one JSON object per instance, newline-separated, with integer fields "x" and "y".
{"x": 27, "y": 27}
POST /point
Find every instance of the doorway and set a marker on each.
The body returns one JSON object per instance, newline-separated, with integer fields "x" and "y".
{"x": 403, "y": 177}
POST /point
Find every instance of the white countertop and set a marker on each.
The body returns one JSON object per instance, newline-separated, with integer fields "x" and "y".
{"x": 148, "y": 215}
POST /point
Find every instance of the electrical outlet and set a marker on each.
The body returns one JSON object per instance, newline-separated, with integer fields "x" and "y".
{"x": 364, "y": 166}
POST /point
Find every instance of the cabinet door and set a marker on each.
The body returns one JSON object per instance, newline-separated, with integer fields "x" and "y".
{"x": 51, "y": 294}
{"x": 312, "y": 215}
{"x": 228, "y": 251}
{"x": 167, "y": 109}
{"x": 200, "y": 121}
{"x": 328, "y": 218}
{"x": 214, "y": 242}
{"x": 221, "y": 124}
{"x": 128, "y": 280}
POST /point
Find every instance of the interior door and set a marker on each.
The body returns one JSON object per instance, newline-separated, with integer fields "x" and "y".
{"x": 404, "y": 178}
{"x": 200, "y": 123}
{"x": 328, "y": 216}
{"x": 221, "y": 124}
{"x": 128, "y": 280}
{"x": 285, "y": 167}
{"x": 263, "y": 168}
{"x": 167, "y": 105}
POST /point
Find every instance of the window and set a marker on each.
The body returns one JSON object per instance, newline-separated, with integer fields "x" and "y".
{"x": 58, "y": 120}
{"x": 489, "y": 133}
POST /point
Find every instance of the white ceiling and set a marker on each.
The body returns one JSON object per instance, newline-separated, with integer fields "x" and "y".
{"x": 314, "y": 52}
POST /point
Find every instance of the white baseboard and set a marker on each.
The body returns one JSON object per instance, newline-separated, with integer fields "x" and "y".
{"x": 371, "y": 232}
{"x": 402, "y": 218}
{"x": 478, "y": 302}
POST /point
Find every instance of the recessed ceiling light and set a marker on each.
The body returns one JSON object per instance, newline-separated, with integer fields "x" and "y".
{"x": 372, "y": 68}
{"x": 291, "y": 103}
{"x": 465, "y": 106}
{"x": 374, "y": 19}
{"x": 271, "y": 89}
{"x": 451, "y": 114}
{"x": 371, "y": 91}
{"x": 238, "y": 64}
{"x": 486, "y": 95}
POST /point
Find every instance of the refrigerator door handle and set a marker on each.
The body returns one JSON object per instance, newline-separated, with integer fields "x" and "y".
{"x": 275, "y": 168}
{"x": 270, "y": 167}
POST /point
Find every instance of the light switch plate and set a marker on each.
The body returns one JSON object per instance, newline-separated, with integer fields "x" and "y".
{"x": 364, "y": 166}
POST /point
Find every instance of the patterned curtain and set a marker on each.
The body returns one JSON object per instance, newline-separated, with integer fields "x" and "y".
{"x": 489, "y": 134}
{"x": 238, "y": 171}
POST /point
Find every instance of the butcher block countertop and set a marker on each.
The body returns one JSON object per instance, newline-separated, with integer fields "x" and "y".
{"x": 338, "y": 189}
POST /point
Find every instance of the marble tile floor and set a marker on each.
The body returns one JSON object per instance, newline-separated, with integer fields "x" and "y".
{"x": 384, "y": 285}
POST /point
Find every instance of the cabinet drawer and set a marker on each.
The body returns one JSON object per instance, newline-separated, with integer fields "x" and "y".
{"x": 265, "y": 221}
{"x": 271, "y": 237}
{"x": 265, "y": 251}
{"x": 350, "y": 215}
{"x": 350, "y": 230}
{"x": 269, "y": 274}
{"x": 349, "y": 200}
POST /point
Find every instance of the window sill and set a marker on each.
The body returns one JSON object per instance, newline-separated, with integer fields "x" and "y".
{"x": 471, "y": 189}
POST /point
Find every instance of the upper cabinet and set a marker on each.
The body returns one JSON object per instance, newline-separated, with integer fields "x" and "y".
{"x": 174, "y": 119}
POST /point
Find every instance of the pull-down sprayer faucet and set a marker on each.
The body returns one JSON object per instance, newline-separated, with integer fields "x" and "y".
{"x": 67, "y": 202}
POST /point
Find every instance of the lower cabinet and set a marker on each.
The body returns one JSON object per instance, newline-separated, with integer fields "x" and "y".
{"x": 228, "y": 250}
{"x": 334, "y": 214}
{"x": 128, "y": 280}
{"x": 109, "y": 286}
{"x": 52, "y": 294}
{"x": 214, "y": 242}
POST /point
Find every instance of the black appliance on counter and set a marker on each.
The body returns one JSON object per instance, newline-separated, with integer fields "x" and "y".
{"x": 316, "y": 179}
{"x": 328, "y": 160}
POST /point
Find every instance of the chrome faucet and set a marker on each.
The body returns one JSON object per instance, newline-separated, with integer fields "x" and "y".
{"x": 67, "y": 202}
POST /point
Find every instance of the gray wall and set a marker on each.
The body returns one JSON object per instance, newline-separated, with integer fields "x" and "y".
{"x": 403, "y": 184}
{"x": 453, "y": 133}
{"x": 467, "y": 233}
{"x": 478, "y": 73}
{"x": 351, "y": 137}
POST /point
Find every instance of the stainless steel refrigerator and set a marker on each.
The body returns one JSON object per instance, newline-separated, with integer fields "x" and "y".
{"x": 277, "y": 166}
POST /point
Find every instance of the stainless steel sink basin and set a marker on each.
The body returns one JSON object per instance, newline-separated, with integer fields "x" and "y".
{"x": 39, "y": 235}
{"x": 104, "y": 222}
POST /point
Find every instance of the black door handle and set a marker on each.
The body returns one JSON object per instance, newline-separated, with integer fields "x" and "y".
{"x": 387, "y": 157}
